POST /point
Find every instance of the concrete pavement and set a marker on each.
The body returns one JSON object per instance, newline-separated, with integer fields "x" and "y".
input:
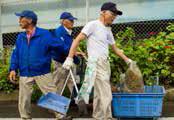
{"x": 166, "y": 118}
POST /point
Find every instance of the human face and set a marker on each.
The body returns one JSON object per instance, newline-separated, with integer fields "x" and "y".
{"x": 24, "y": 22}
{"x": 68, "y": 23}
{"x": 109, "y": 17}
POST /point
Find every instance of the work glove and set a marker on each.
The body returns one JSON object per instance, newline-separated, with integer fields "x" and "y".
{"x": 129, "y": 61}
{"x": 68, "y": 63}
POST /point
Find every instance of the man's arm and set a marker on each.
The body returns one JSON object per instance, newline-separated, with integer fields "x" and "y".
{"x": 120, "y": 53}
{"x": 75, "y": 44}
{"x": 14, "y": 63}
{"x": 56, "y": 44}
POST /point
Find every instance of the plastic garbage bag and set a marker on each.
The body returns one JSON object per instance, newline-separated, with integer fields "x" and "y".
{"x": 132, "y": 80}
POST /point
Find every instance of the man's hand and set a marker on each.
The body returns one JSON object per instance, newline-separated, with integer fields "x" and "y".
{"x": 68, "y": 63}
{"x": 82, "y": 54}
{"x": 129, "y": 61}
{"x": 12, "y": 77}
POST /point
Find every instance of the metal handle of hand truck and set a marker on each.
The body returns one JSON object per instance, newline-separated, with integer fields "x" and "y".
{"x": 73, "y": 79}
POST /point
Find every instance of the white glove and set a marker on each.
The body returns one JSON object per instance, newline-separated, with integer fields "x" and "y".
{"x": 68, "y": 63}
{"x": 129, "y": 61}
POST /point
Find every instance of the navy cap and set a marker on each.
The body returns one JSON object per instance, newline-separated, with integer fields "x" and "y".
{"x": 111, "y": 7}
{"x": 28, "y": 14}
{"x": 67, "y": 15}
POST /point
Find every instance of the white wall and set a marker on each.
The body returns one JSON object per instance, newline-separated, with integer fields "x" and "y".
{"x": 48, "y": 13}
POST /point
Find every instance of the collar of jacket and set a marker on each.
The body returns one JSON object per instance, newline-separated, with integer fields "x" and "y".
{"x": 36, "y": 34}
{"x": 64, "y": 30}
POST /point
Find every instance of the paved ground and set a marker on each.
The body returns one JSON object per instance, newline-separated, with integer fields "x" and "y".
{"x": 9, "y": 111}
{"x": 166, "y": 118}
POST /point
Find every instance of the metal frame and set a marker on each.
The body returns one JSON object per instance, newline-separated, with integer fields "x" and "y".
{"x": 1, "y": 42}
{"x": 87, "y": 10}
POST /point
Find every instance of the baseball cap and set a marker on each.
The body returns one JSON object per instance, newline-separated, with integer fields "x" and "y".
{"x": 28, "y": 14}
{"x": 111, "y": 7}
{"x": 67, "y": 15}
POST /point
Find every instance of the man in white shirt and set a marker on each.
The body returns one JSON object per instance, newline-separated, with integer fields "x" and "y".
{"x": 99, "y": 37}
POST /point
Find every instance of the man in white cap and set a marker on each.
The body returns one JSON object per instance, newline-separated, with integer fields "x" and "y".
{"x": 99, "y": 37}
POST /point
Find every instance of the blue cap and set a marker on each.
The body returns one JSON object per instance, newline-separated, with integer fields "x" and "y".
{"x": 67, "y": 15}
{"x": 28, "y": 14}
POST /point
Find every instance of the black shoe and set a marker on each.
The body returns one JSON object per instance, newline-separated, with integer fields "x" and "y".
{"x": 82, "y": 108}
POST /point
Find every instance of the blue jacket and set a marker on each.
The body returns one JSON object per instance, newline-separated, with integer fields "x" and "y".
{"x": 61, "y": 34}
{"x": 34, "y": 59}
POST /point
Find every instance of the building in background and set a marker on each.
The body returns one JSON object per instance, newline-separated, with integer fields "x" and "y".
{"x": 144, "y": 16}
{"x": 48, "y": 11}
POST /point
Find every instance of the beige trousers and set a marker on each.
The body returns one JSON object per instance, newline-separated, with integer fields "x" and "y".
{"x": 102, "y": 91}
{"x": 60, "y": 74}
{"x": 59, "y": 77}
{"x": 44, "y": 82}
{"x": 98, "y": 75}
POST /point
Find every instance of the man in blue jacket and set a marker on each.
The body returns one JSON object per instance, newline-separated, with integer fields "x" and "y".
{"x": 63, "y": 32}
{"x": 32, "y": 58}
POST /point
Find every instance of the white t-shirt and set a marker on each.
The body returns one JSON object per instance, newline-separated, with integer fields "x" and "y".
{"x": 99, "y": 38}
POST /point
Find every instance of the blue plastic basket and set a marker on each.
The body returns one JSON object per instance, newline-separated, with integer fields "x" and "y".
{"x": 142, "y": 105}
{"x": 54, "y": 102}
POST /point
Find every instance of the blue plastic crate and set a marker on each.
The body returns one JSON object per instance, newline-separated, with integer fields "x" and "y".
{"x": 142, "y": 105}
{"x": 54, "y": 102}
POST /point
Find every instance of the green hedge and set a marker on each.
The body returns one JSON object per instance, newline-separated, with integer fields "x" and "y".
{"x": 5, "y": 85}
{"x": 153, "y": 55}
